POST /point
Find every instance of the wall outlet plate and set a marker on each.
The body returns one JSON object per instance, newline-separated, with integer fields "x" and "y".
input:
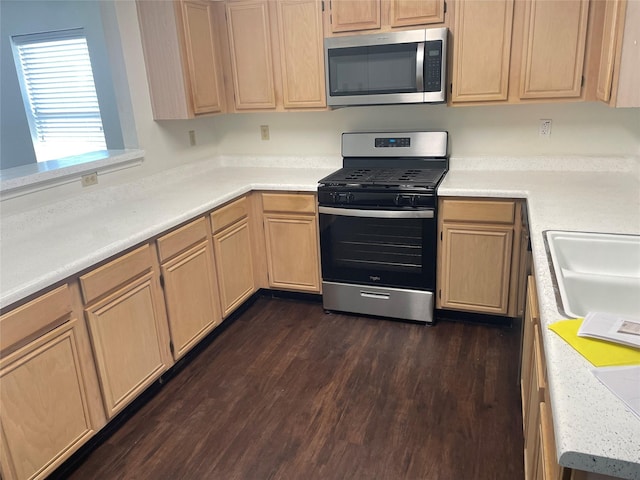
{"x": 90, "y": 179}
{"x": 264, "y": 132}
{"x": 545, "y": 127}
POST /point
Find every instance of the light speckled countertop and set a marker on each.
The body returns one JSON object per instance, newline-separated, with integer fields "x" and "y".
{"x": 594, "y": 431}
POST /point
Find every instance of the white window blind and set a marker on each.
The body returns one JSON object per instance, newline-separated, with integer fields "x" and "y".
{"x": 60, "y": 94}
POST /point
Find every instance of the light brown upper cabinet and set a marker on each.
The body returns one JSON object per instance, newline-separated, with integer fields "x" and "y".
{"x": 404, "y": 13}
{"x": 525, "y": 51}
{"x": 354, "y": 15}
{"x": 276, "y": 54}
{"x": 619, "y": 72}
{"x": 553, "y": 51}
{"x": 249, "y": 31}
{"x": 301, "y": 51}
{"x": 180, "y": 41}
{"x": 482, "y": 50}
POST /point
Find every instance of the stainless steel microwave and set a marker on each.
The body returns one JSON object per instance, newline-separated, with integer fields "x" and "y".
{"x": 386, "y": 68}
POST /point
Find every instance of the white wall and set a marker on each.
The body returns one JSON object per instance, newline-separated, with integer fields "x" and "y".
{"x": 578, "y": 128}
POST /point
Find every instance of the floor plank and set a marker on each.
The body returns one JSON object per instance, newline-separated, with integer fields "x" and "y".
{"x": 289, "y": 392}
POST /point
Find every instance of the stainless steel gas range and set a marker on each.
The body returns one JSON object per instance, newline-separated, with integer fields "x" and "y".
{"x": 378, "y": 224}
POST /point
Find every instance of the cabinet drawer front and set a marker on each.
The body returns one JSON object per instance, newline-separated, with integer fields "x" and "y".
{"x": 114, "y": 274}
{"x": 229, "y": 214}
{"x": 487, "y": 211}
{"x": 27, "y": 322}
{"x": 181, "y": 239}
{"x": 289, "y": 202}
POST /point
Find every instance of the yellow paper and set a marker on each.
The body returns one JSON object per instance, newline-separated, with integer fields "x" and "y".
{"x": 599, "y": 352}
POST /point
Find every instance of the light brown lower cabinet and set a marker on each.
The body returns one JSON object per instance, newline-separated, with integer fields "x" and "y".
{"x": 540, "y": 461}
{"x": 63, "y": 376}
{"x": 479, "y": 259}
{"x": 232, "y": 246}
{"x": 291, "y": 238}
{"x": 49, "y": 400}
{"x": 128, "y": 327}
{"x": 189, "y": 283}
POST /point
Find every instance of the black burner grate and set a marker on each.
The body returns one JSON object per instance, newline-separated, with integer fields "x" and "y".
{"x": 413, "y": 177}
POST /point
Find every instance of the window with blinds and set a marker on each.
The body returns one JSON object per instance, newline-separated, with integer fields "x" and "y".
{"x": 59, "y": 93}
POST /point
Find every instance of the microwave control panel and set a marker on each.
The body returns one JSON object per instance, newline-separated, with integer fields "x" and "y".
{"x": 432, "y": 66}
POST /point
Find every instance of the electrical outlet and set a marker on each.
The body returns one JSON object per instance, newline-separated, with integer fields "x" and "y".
{"x": 90, "y": 179}
{"x": 545, "y": 127}
{"x": 192, "y": 138}
{"x": 264, "y": 132}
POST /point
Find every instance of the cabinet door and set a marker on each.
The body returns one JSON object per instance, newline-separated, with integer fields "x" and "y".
{"x": 126, "y": 342}
{"x": 302, "y": 54}
{"x": 292, "y": 251}
{"x": 553, "y": 48}
{"x": 202, "y": 59}
{"x": 352, "y": 15}
{"x": 482, "y": 48}
{"x": 44, "y": 404}
{"x": 251, "y": 58}
{"x": 551, "y": 470}
{"x": 190, "y": 290}
{"x": 612, "y": 25}
{"x": 234, "y": 264}
{"x": 619, "y": 72}
{"x": 526, "y": 364}
{"x": 537, "y": 388}
{"x": 412, "y": 12}
{"x": 475, "y": 274}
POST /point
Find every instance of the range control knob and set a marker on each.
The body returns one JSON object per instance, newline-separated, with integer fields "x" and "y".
{"x": 405, "y": 200}
{"x": 342, "y": 197}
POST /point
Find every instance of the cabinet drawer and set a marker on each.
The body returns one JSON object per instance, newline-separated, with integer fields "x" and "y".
{"x": 110, "y": 276}
{"x": 181, "y": 239}
{"x": 31, "y": 320}
{"x": 229, "y": 214}
{"x": 487, "y": 211}
{"x": 289, "y": 202}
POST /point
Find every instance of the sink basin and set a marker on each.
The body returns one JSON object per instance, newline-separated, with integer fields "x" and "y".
{"x": 596, "y": 272}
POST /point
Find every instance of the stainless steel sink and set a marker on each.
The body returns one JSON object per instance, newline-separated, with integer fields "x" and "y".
{"x": 595, "y": 272}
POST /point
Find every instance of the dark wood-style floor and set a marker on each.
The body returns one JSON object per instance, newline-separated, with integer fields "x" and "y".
{"x": 289, "y": 392}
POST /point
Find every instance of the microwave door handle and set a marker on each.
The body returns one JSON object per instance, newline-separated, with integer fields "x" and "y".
{"x": 420, "y": 67}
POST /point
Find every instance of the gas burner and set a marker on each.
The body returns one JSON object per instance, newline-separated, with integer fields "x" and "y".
{"x": 388, "y": 177}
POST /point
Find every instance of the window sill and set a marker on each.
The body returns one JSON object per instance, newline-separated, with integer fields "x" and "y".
{"x": 26, "y": 179}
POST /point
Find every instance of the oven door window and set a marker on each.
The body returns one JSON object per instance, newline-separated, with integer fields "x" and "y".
{"x": 373, "y": 70}
{"x": 394, "y": 252}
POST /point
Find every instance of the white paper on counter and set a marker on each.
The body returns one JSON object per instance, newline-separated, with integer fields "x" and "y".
{"x": 607, "y": 326}
{"x": 624, "y": 382}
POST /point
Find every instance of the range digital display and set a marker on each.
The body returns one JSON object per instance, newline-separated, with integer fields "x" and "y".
{"x": 392, "y": 142}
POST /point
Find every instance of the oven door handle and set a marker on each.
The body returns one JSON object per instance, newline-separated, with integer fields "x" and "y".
{"x": 352, "y": 212}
